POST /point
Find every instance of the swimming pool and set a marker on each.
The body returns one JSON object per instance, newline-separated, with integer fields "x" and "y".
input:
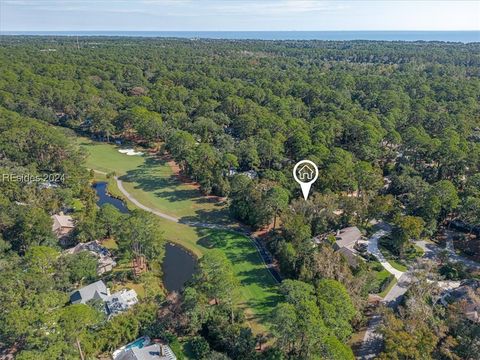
{"x": 139, "y": 343}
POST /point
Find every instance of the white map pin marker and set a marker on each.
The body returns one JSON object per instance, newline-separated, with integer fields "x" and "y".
{"x": 305, "y": 173}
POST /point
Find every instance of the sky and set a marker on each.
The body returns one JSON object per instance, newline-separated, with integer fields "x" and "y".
{"x": 237, "y": 15}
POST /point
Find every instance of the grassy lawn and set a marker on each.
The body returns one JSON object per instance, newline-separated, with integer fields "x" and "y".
{"x": 397, "y": 265}
{"x": 153, "y": 183}
{"x": 139, "y": 289}
{"x": 110, "y": 244}
{"x": 381, "y": 276}
{"x": 391, "y": 258}
{"x": 388, "y": 288}
{"x": 258, "y": 291}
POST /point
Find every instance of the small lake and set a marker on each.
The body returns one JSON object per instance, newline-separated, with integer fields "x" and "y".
{"x": 178, "y": 265}
{"x": 104, "y": 198}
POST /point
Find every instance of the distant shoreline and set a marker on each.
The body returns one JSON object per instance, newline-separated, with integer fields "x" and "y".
{"x": 410, "y": 36}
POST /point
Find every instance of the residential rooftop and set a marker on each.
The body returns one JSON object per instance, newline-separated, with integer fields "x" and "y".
{"x": 347, "y": 237}
{"x": 96, "y": 290}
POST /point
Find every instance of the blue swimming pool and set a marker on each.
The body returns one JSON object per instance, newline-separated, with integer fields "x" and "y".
{"x": 139, "y": 343}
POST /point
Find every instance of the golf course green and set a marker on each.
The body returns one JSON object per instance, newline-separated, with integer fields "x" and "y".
{"x": 153, "y": 183}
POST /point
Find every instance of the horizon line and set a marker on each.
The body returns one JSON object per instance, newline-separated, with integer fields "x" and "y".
{"x": 349, "y": 30}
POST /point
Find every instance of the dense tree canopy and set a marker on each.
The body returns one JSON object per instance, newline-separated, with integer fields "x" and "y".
{"x": 394, "y": 128}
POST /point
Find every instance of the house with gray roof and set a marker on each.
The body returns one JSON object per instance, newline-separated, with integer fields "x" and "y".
{"x": 115, "y": 303}
{"x": 151, "y": 352}
{"x": 347, "y": 237}
{"x": 144, "y": 349}
{"x": 345, "y": 242}
{"x": 97, "y": 290}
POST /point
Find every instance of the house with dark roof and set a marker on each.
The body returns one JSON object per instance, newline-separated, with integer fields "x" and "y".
{"x": 95, "y": 291}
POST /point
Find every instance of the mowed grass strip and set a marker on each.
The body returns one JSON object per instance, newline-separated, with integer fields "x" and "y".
{"x": 152, "y": 182}
{"x": 258, "y": 292}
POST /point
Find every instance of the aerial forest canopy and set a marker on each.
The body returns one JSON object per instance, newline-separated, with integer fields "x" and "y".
{"x": 360, "y": 110}
{"x": 394, "y": 128}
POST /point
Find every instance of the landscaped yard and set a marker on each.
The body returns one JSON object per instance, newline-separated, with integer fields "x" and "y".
{"x": 383, "y": 282}
{"x": 391, "y": 258}
{"x": 152, "y": 182}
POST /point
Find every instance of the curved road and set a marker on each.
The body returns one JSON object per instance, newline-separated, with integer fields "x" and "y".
{"x": 264, "y": 254}
{"x": 372, "y": 341}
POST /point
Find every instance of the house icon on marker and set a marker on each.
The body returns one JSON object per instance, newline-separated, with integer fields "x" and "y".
{"x": 305, "y": 173}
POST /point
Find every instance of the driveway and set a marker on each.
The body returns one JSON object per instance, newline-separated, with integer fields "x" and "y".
{"x": 372, "y": 340}
{"x": 262, "y": 251}
{"x": 375, "y": 251}
{"x": 432, "y": 251}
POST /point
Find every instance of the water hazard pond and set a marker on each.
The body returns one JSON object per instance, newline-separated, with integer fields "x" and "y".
{"x": 178, "y": 265}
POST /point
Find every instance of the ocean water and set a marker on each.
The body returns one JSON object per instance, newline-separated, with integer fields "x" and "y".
{"x": 446, "y": 36}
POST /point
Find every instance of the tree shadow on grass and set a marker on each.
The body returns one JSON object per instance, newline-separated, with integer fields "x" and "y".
{"x": 213, "y": 239}
{"x": 239, "y": 250}
{"x": 149, "y": 178}
{"x": 211, "y": 219}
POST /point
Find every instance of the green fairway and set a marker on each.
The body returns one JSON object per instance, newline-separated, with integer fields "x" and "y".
{"x": 258, "y": 291}
{"x": 153, "y": 184}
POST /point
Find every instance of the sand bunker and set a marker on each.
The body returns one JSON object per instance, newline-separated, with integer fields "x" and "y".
{"x": 130, "y": 152}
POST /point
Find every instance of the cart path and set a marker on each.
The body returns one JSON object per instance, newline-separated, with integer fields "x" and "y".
{"x": 141, "y": 206}
{"x": 262, "y": 251}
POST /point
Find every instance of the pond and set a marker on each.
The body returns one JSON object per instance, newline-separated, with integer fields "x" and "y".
{"x": 104, "y": 198}
{"x": 178, "y": 265}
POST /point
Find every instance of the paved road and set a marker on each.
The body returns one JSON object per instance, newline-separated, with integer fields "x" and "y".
{"x": 141, "y": 206}
{"x": 372, "y": 341}
{"x": 432, "y": 251}
{"x": 263, "y": 252}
